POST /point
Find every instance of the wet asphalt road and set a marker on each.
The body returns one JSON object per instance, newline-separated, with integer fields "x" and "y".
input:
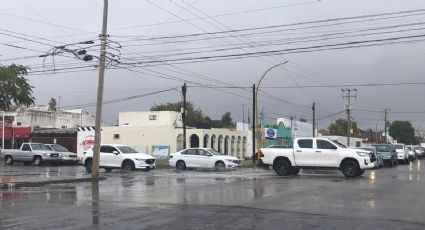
{"x": 239, "y": 199}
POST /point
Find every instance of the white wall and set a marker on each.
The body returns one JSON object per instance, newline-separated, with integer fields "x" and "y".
{"x": 53, "y": 119}
{"x": 162, "y": 118}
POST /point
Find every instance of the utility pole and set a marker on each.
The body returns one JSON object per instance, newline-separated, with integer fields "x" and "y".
{"x": 385, "y": 125}
{"x": 243, "y": 117}
{"x": 184, "y": 89}
{"x": 2, "y": 130}
{"x": 99, "y": 103}
{"x": 347, "y": 95}
{"x": 254, "y": 127}
{"x": 314, "y": 119}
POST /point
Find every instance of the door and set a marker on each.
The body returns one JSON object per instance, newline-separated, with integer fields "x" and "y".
{"x": 25, "y": 154}
{"x": 190, "y": 158}
{"x": 205, "y": 158}
{"x": 304, "y": 152}
{"x": 107, "y": 156}
{"x": 326, "y": 154}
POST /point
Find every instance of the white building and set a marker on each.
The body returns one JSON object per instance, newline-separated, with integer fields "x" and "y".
{"x": 162, "y": 131}
{"x": 354, "y": 141}
{"x": 41, "y": 117}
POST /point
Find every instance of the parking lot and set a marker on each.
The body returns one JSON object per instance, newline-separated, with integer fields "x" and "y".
{"x": 245, "y": 198}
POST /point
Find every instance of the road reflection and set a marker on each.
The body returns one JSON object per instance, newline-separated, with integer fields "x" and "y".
{"x": 95, "y": 202}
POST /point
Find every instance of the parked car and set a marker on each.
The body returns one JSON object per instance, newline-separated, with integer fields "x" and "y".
{"x": 31, "y": 153}
{"x": 378, "y": 156}
{"x": 388, "y": 152}
{"x": 318, "y": 153}
{"x": 119, "y": 156}
{"x": 410, "y": 150}
{"x": 402, "y": 153}
{"x": 202, "y": 158}
{"x": 66, "y": 156}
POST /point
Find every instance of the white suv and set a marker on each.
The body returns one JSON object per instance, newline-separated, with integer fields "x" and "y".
{"x": 119, "y": 156}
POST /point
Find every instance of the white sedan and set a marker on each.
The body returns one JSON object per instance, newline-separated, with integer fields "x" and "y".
{"x": 202, "y": 158}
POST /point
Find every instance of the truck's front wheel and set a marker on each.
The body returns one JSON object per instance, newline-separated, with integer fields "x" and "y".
{"x": 350, "y": 168}
{"x": 37, "y": 161}
{"x": 282, "y": 167}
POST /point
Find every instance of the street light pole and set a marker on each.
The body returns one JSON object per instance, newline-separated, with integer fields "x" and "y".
{"x": 258, "y": 129}
{"x": 99, "y": 103}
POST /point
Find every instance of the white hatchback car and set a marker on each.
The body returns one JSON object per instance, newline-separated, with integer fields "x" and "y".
{"x": 119, "y": 156}
{"x": 202, "y": 158}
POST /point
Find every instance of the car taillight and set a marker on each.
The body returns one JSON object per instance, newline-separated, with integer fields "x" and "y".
{"x": 260, "y": 153}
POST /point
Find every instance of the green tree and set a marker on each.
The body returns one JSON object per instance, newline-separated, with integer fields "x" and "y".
{"x": 14, "y": 87}
{"x": 227, "y": 120}
{"x": 340, "y": 127}
{"x": 403, "y": 132}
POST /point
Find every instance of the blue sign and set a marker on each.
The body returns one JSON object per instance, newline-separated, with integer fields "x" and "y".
{"x": 271, "y": 132}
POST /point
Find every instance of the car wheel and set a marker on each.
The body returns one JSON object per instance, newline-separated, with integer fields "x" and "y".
{"x": 38, "y": 161}
{"x": 108, "y": 169}
{"x": 219, "y": 165}
{"x": 295, "y": 171}
{"x": 128, "y": 166}
{"x": 180, "y": 165}
{"x": 282, "y": 167}
{"x": 8, "y": 160}
{"x": 350, "y": 168}
{"x": 88, "y": 164}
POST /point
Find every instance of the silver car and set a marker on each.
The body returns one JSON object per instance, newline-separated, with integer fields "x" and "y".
{"x": 65, "y": 155}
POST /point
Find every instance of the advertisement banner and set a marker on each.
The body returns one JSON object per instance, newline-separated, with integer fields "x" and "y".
{"x": 85, "y": 140}
{"x": 160, "y": 152}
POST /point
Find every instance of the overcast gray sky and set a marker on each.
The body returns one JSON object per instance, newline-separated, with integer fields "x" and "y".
{"x": 32, "y": 28}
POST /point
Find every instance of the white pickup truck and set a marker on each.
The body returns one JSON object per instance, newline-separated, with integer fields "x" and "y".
{"x": 318, "y": 153}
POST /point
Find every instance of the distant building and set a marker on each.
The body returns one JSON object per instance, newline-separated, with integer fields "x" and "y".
{"x": 300, "y": 128}
{"x": 161, "y": 132}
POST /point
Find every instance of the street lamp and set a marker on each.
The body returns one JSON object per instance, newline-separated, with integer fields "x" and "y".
{"x": 257, "y": 125}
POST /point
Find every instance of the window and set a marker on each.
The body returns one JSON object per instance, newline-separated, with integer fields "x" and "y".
{"x": 152, "y": 117}
{"x": 26, "y": 147}
{"x": 107, "y": 149}
{"x": 63, "y": 127}
{"x": 116, "y": 136}
{"x": 322, "y": 144}
{"x": 19, "y": 123}
{"x": 191, "y": 152}
{"x": 204, "y": 152}
{"x": 305, "y": 143}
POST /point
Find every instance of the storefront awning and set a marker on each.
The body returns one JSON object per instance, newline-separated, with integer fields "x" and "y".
{"x": 16, "y": 132}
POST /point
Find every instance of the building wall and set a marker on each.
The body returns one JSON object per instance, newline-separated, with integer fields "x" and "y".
{"x": 53, "y": 119}
{"x": 238, "y": 143}
{"x": 150, "y": 118}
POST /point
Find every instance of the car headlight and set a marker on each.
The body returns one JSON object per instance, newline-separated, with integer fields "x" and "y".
{"x": 362, "y": 154}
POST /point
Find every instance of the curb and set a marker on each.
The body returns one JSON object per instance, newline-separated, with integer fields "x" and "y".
{"x": 42, "y": 183}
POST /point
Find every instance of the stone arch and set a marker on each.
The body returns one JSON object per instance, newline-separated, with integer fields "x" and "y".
{"x": 226, "y": 145}
{"x": 213, "y": 141}
{"x": 238, "y": 146}
{"x": 220, "y": 144}
{"x": 206, "y": 140}
{"x": 194, "y": 141}
{"x": 232, "y": 145}
{"x": 179, "y": 142}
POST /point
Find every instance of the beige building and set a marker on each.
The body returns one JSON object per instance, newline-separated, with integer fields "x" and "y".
{"x": 146, "y": 130}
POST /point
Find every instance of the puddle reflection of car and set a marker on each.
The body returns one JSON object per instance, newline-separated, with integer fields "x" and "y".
{"x": 202, "y": 158}
{"x": 66, "y": 156}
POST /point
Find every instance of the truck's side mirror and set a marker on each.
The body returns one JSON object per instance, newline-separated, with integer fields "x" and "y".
{"x": 115, "y": 152}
